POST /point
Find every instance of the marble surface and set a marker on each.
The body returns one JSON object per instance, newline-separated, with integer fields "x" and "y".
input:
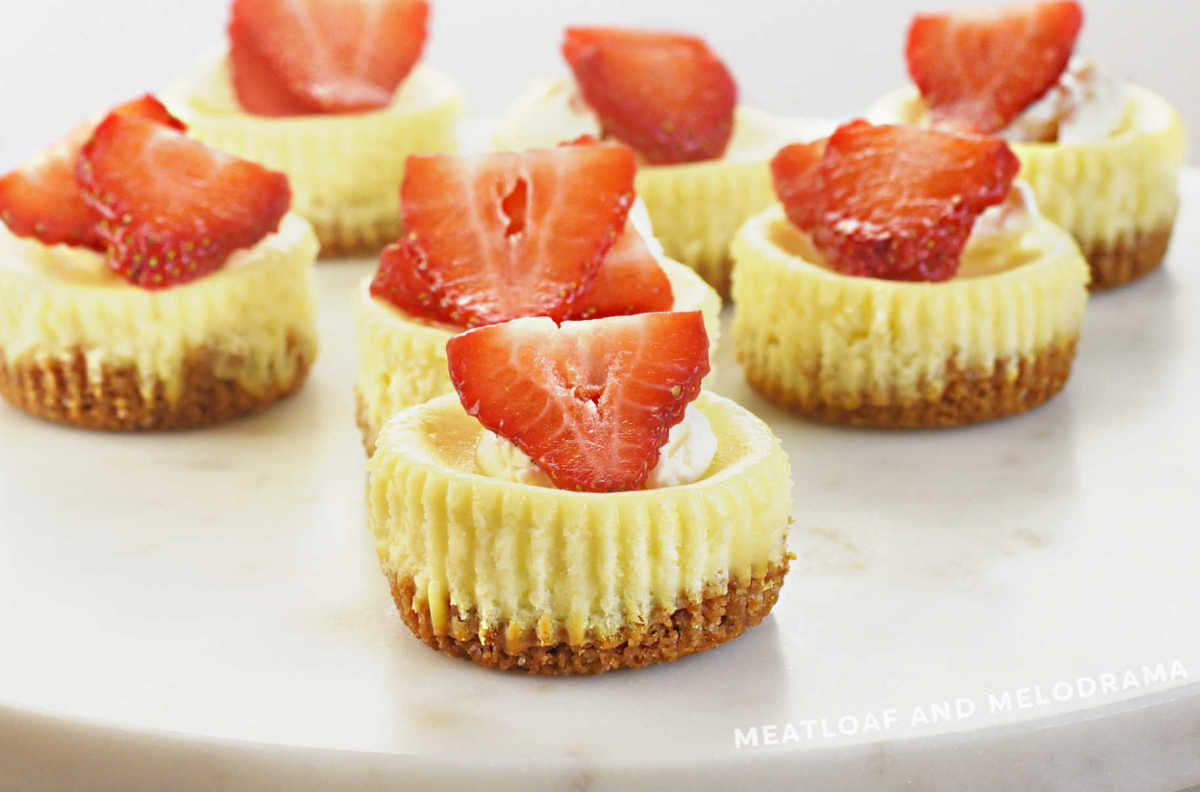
{"x": 203, "y": 610}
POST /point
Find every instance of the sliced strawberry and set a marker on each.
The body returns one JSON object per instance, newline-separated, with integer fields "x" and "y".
{"x": 172, "y": 208}
{"x": 258, "y": 86}
{"x": 630, "y": 281}
{"x": 591, "y": 402}
{"x": 979, "y": 69}
{"x": 894, "y": 202}
{"x": 401, "y": 281}
{"x": 291, "y": 57}
{"x": 666, "y": 94}
{"x": 145, "y": 106}
{"x": 42, "y": 200}
{"x": 582, "y": 140}
{"x": 796, "y": 171}
{"x": 511, "y": 234}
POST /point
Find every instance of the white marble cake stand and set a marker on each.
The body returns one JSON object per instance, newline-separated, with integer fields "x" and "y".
{"x": 203, "y": 611}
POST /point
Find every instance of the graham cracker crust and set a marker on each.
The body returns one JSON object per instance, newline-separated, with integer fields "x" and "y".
{"x": 693, "y": 628}
{"x": 1129, "y": 258}
{"x": 344, "y": 239}
{"x": 60, "y": 390}
{"x": 967, "y": 397}
{"x": 722, "y": 280}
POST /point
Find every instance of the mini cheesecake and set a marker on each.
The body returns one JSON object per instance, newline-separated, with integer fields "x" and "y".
{"x": 1102, "y": 156}
{"x": 590, "y": 571}
{"x": 996, "y": 339}
{"x": 344, "y": 158}
{"x": 80, "y": 345}
{"x": 698, "y": 194}
{"x": 503, "y": 236}
{"x": 838, "y": 329}
{"x": 149, "y": 282}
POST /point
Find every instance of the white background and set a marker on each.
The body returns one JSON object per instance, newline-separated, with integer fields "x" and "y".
{"x": 61, "y": 60}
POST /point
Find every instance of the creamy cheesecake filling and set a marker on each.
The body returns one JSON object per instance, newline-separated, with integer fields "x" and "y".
{"x": 56, "y": 300}
{"x": 587, "y": 565}
{"x": 1086, "y": 105}
{"x": 548, "y": 113}
{"x": 690, "y": 448}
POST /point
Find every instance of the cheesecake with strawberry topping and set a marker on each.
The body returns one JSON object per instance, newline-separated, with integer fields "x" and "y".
{"x": 1102, "y": 156}
{"x": 150, "y": 282}
{"x": 579, "y": 505}
{"x": 546, "y": 232}
{"x": 702, "y": 157}
{"x": 332, "y": 93}
{"x": 906, "y": 280}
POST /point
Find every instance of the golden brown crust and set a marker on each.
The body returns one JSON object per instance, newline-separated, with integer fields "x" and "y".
{"x": 723, "y": 283}
{"x": 966, "y": 396}
{"x": 342, "y": 239}
{"x": 60, "y": 390}
{"x": 1129, "y": 258}
{"x": 698, "y": 626}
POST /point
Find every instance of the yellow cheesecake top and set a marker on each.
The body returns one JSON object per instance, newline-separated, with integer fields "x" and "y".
{"x": 572, "y": 565}
{"x": 56, "y": 300}
{"x": 211, "y": 91}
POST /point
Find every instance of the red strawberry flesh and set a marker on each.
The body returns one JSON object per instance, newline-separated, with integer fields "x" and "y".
{"x": 401, "y": 281}
{"x": 592, "y": 403}
{"x": 797, "y": 173}
{"x": 172, "y": 208}
{"x": 630, "y": 281}
{"x": 290, "y": 57}
{"x": 893, "y": 202}
{"x": 509, "y": 235}
{"x": 666, "y": 94}
{"x": 41, "y": 199}
{"x": 978, "y": 69}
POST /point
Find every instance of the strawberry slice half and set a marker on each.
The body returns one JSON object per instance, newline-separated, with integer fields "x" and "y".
{"x": 172, "y": 208}
{"x": 666, "y": 94}
{"x": 894, "y": 202}
{"x": 979, "y": 69}
{"x": 796, "y": 170}
{"x": 516, "y": 234}
{"x": 290, "y": 57}
{"x": 401, "y": 280}
{"x": 630, "y": 281}
{"x": 591, "y": 402}
{"x": 41, "y": 198}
